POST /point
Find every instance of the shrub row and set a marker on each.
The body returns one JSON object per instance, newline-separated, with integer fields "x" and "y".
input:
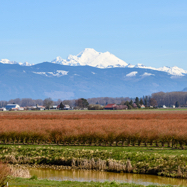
{"x": 90, "y": 129}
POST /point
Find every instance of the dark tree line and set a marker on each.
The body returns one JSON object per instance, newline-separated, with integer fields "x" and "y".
{"x": 156, "y": 99}
{"x": 108, "y": 100}
{"x": 170, "y": 98}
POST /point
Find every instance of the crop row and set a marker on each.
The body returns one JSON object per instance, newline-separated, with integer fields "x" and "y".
{"x": 94, "y": 115}
{"x": 105, "y": 132}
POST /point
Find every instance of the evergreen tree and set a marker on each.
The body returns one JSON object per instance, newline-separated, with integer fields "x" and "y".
{"x": 131, "y": 103}
{"x": 137, "y": 101}
{"x": 61, "y": 106}
{"x": 177, "y": 104}
{"x": 141, "y": 101}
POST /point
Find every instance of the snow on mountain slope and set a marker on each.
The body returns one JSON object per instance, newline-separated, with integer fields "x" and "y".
{"x": 147, "y": 74}
{"x": 173, "y": 70}
{"x": 6, "y": 61}
{"x": 90, "y": 57}
{"x": 176, "y": 71}
{"x": 58, "y": 73}
{"x": 132, "y": 74}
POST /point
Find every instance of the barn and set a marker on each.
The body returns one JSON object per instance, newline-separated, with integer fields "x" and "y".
{"x": 110, "y": 107}
{"x": 12, "y": 107}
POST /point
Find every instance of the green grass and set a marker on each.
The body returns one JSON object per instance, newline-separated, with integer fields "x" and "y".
{"x": 115, "y": 150}
{"x": 147, "y": 160}
{"x": 37, "y": 183}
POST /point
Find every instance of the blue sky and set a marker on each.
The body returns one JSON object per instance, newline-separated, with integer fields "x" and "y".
{"x": 153, "y": 33}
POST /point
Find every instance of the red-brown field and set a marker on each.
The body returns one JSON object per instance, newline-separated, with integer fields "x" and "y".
{"x": 95, "y": 128}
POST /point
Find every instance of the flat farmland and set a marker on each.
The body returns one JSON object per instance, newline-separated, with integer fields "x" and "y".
{"x": 96, "y": 128}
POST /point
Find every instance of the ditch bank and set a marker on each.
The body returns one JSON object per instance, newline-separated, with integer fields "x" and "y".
{"x": 100, "y": 160}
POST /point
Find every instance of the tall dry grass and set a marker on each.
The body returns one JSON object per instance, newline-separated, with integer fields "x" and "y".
{"x": 135, "y": 129}
{"x": 4, "y": 172}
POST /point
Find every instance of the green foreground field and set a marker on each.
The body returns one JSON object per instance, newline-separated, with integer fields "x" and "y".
{"x": 145, "y": 160}
{"x": 20, "y": 182}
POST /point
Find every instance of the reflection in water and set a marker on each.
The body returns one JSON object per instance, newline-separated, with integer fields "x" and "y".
{"x": 89, "y": 175}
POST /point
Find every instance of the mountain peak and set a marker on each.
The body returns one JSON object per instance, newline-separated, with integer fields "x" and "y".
{"x": 91, "y": 57}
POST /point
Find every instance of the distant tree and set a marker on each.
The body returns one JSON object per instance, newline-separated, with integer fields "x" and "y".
{"x": 153, "y": 102}
{"x": 81, "y": 103}
{"x": 48, "y": 102}
{"x": 177, "y": 104}
{"x": 141, "y": 101}
{"x": 145, "y": 102}
{"x": 61, "y": 106}
{"x": 131, "y": 103}
{"x": 137, "y": 101}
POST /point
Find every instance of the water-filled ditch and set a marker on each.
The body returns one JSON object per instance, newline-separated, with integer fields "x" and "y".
{"x": 89, "y": 175}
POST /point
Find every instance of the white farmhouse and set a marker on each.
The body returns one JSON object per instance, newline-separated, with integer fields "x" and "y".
{"x": 164, "y": 106}
{"x": 12, "y": 107}
{"x": 2, "y": 109}
{"x": 67, "y": 107}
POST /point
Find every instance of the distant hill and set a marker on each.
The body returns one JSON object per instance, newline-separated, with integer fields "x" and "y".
{"x": 68, "y": 82}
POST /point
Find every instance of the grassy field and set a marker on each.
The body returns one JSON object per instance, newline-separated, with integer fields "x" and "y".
{"x": 146, "y": 160}
{"x": 38, "y": 183}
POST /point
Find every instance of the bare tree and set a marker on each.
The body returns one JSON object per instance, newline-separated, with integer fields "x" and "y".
{"x": 153, "y": 102}
{"x": 48, "y": 103}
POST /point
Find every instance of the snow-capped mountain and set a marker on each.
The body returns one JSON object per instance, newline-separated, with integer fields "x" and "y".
{"x": 57, "y": 81}
{"x": 90, "y": 57}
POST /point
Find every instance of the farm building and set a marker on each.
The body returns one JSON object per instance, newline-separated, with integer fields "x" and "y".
{"x": 67, "y": 107}
{"x": 3, "y": 109}
{"x": 142, "y": 106}
{"x": 110, "y": 107}
{"x": 12, "y": 107}
{"x": 54, "y": 107}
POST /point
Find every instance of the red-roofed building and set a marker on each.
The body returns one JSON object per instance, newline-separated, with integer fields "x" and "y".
{"x": 110, "y": 107}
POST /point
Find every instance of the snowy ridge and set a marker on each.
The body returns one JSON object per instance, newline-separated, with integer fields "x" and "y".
{"x": 90, "y": 57}
{"x": 173, "y": 70}
{"x": 6, "y": 61}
